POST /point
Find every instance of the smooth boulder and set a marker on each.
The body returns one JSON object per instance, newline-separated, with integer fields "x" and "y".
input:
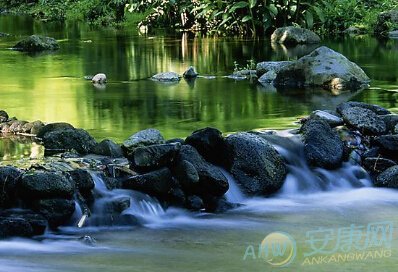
{"x": 256, "y": 165}
{"x": 291, "y": 35}
{"x": 190, "y": 73}
{"x": 99, "y": 79}
{"x": 322, "y": 145}
{"x": 37, "y": 43}
{"x": 166, "y": 77}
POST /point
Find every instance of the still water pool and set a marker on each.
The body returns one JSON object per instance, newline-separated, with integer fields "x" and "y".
{"x": 50, "y": 87}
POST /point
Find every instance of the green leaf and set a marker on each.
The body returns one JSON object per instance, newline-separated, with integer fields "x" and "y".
{"x": 319, "y": 13}
{"x": 246, "y": 18}
{"x": 238, "y": 5}
{"x": 273, "y": 9}
{"x": 252, "y": 3}
{"x": 309, "y": 19}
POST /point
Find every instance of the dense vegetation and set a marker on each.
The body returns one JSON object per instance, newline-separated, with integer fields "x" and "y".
{"x": 221, "y": 17}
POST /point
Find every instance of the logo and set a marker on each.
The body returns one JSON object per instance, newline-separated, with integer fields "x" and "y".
{"x": 277, "y": 249}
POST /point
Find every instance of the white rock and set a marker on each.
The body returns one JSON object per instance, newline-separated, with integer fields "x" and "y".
{"x": 99, "y": 79}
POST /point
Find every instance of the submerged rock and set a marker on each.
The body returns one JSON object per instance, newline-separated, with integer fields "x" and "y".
{"x": 291, "y": 35}
{"x": 364, "y": 120}
{"x": 166, "y": 77}
{"x": 190, "y": 73}
{"x": 99, "y": 79}
{"x": 36, "y": 43}
{"x": 389, "y": 178}
{"x": 322, "y": 145}
{"x": 60, "y": 141}
{"x": 255, "y": 164}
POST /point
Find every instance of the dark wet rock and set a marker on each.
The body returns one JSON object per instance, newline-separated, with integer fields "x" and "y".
{"x": 3, "y": 116}
{"x": 112, "y": 183}
{"x": 57, "y": 211}
{"x": 329, "y": 118}
{"x": 9, "y": 178}
{"x": 388, "y": 145}
{"x": 256, "y": 165}
{"x": 384, "y": 23}
{"x": 99, "y": 79}
{"x": 211, "y": 179}
{"x": 34, "y": 127}
{"x": 194, "y": 203}
{"x": 157, "y": 183}
{"x": 219, "y": 205}
{"x": 209, "y": 142}
{"x": 154, "y": 156}
{"x": 370, "y": 153}
{"x": 190, "y": 73}
{"x": 177, "y": 197}
{"x": 166, "y": 77}
{"x": 274, "y": 66}
{"x": 39, "y": 184}
{"x": 322, "y": 145}
{"x": 82, "y": 179}
{"x": 364, "y": 120}
{"x": 118, "y": 205}
{"x": 108, "y": 148}
{"x": 323, "y": 68}
{"x": 187, "y": 175}
{"x": 377, "y": 165}
{"x": 37, "y": 222}
{"x": 60, "y": 141}
{"x": 52, "y": 127}
{"x": 36, "y": 43}
{"x": 375, "y": 108}
{"x": 10, "y": 227}
{"x": 291, "y": 35}
{"x": 388, "y": 178}
{"x": 142, "y": 138}
{"x": 391, "y": 120}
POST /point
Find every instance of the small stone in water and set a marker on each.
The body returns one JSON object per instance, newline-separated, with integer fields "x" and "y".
{"x": 99, "y": 78}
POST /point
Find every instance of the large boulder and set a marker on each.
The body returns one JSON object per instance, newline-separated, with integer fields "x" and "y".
{"x": 376, "y": 165}
{"x": 15, "y": 227}
{"x": 389, "y": 178}
{"x": 68, "y": 139}
{"x": 39, "y": 184}
{"x": 37, "y": 222}
{"x": 256, "y": 165}
{"x": 364, "y": 120}
{"x": 209, "y": 142}
{"x": 82, "y": 179}
{"x": 142, "y": 138}
{"x": 187, "y": 175}
{"x": 108, "y": 148}
{"x": 386, "y": 22}
{"x": 323, "y": 68}
{"x": 52, "y": 127}
{"x": 154, "y": 156}
{"x": 9, "y": 178}
{"x": 36, "y": 43}
{"x": 322, "y": 145}
{"x": 211, "y": 180}
{"x": 166, "y": 77}
{"x": 275, "y": 66}
{"x": 57, "y": 211}
{"x": 157, "y": 183}
{"x": 291, "y": 35}
{"x": 375, "y": 108}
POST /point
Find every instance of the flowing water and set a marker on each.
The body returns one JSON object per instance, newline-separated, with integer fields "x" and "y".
{"x": 147, "y": 237}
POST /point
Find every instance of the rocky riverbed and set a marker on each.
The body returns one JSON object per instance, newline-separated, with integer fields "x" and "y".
{"x": 189, "y": 173}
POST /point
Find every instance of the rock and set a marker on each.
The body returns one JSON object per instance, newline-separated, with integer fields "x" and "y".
{"x": 9, "y": 178}
{"x": 82, "y": 179}
{"x": 375, "y": 108}
{"x": 68, "y": 139}
{"x": 210, "y": 143}
{"x": 33, "y": 127}
{"x": 385, "y": 21}
{"x": 10, "y": 227}
{"x": 187, "y": 175}
{"x": 324, "y": 68}
{"x": 154, "y": 156}
{"x": 322, "y": 145}
{"x": 255, "y": 164}
{"x": 329, "y": 118}
{"x": 393, "y": 34}
{"x": 57, "y": 211}
{"x": 52, "y": 127}
{"x": 155, "y": 183}
{"x": 370, "y": 153}
{"x": 177, "y": 197}
{"x": 190, "y": 73}
{"x": 388, "y": 145}
{"x": 118, "y": 205}
{"x": 364, "y": 120}
{"x": 39, "y": 184}
{"x": 211, "y": 180}
{"x": 16, "y": 126}
{"x": 99, "y": 79}
{"x": 36, "y": 43}
{"x": 388, "y": 178}
{"x": 36, "y": 221}
{"x": 194, "y": 203}
{"x": 244, "y": 74}
{"x": 108, "y": 148}
{"x": 142, "y": 138}
{"x": 377, "y": 165}
{"x": 391, "y": 120}
{"x": 353, "y": 30}
{"x": 267, "y": 66}
{"x": 166, "y": 77}
{"x": 291, "y": 35}
{"x": 3, "y": 116}
{"x": 268, "y": 77}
